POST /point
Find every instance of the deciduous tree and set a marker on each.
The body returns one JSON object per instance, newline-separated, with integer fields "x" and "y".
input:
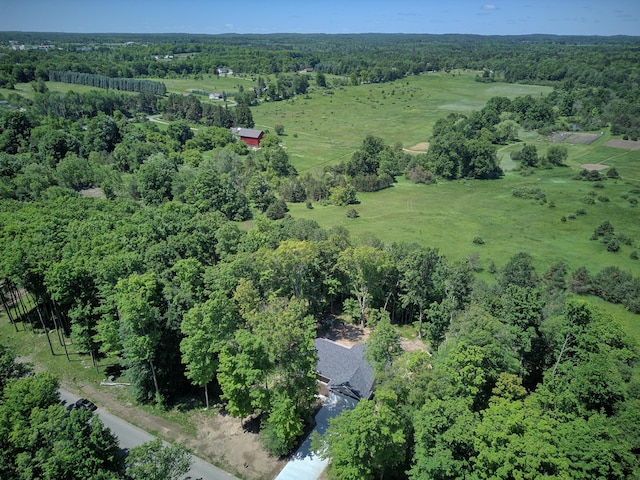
{"x": 365, "y": 268}
{"x": 140, "y": 306}
{"x": 158, "y": 461}
{"x": 206, "y": 328}
{"x": 383, "y": 345}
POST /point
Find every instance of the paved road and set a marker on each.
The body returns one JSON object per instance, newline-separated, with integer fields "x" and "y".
{"x": 131, "y": 436}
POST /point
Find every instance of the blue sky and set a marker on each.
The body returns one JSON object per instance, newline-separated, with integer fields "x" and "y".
{"x": 485, "y": 17}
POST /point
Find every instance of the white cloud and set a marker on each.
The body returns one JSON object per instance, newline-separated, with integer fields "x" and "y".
{"x": 229, "y": 26}
{"x": 488, "y": 6}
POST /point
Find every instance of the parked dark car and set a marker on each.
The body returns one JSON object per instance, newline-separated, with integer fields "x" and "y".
{"x": 82, "y": 403}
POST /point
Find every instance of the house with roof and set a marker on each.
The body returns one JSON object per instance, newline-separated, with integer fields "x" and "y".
{"x": 248, "y": 135}
{"x": 344, "y": 371}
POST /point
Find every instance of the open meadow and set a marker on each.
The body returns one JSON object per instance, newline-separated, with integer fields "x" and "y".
{"x": 325, "y": 127}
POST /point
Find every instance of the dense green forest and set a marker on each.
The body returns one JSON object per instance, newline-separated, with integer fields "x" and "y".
{"x": 130, "y": 237}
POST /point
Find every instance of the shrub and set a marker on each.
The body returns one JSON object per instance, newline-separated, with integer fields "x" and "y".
{"x": 580, "y": 281}
{"x": 351, "y": 310}
{"x": 589, "y": 175}
{"x": 557, "y": 154}
{"x": 622, "y": 238}
{"x": 589, "y": 200}
{"x": 279, "y": 129}
{"x": 528, "y": 156}
{"x": 555, "y": 277}
{"x": 563, "y": 218}
{"x": 611, "y": 284}
{"x": 279, "y": 438}
{"x": 352, "y": 213}
{"x": 603, "y": 230}
{"x": 581, "y": 211}
{"x": 478, "y": 240}
{"x": 530, "y": 192}
{"x": 276, "y": 210}
{"x": 572, "y": 216}
{"x": 633, "y": 201}
{"x": 342, "y": 196}
{"x": 474, "y": 262}
{"x": 613, "y": 173}
{"x": 419, "y": 175}
{"x": 613, "y": 245}
{"x": 634, "y": 255}
{"x": 603, "y": 198}
{"x": 371, "y": 182}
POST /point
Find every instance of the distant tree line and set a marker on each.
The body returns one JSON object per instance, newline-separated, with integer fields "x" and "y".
{"x": 100, "y": 81}
{"x": 594, "y": 78}
{"x": 75, "y": 106}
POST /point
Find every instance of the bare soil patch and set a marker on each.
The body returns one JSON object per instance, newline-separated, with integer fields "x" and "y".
{"x": 626, "y": 144}
{"x": 594, "y": 166}
{"x": 346, "y": 334}
{"x": 421, "y": 147}
{"x": 222, "y": 437}
{"x": 577, "y": 138}
{"x": 413, "y": 345}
